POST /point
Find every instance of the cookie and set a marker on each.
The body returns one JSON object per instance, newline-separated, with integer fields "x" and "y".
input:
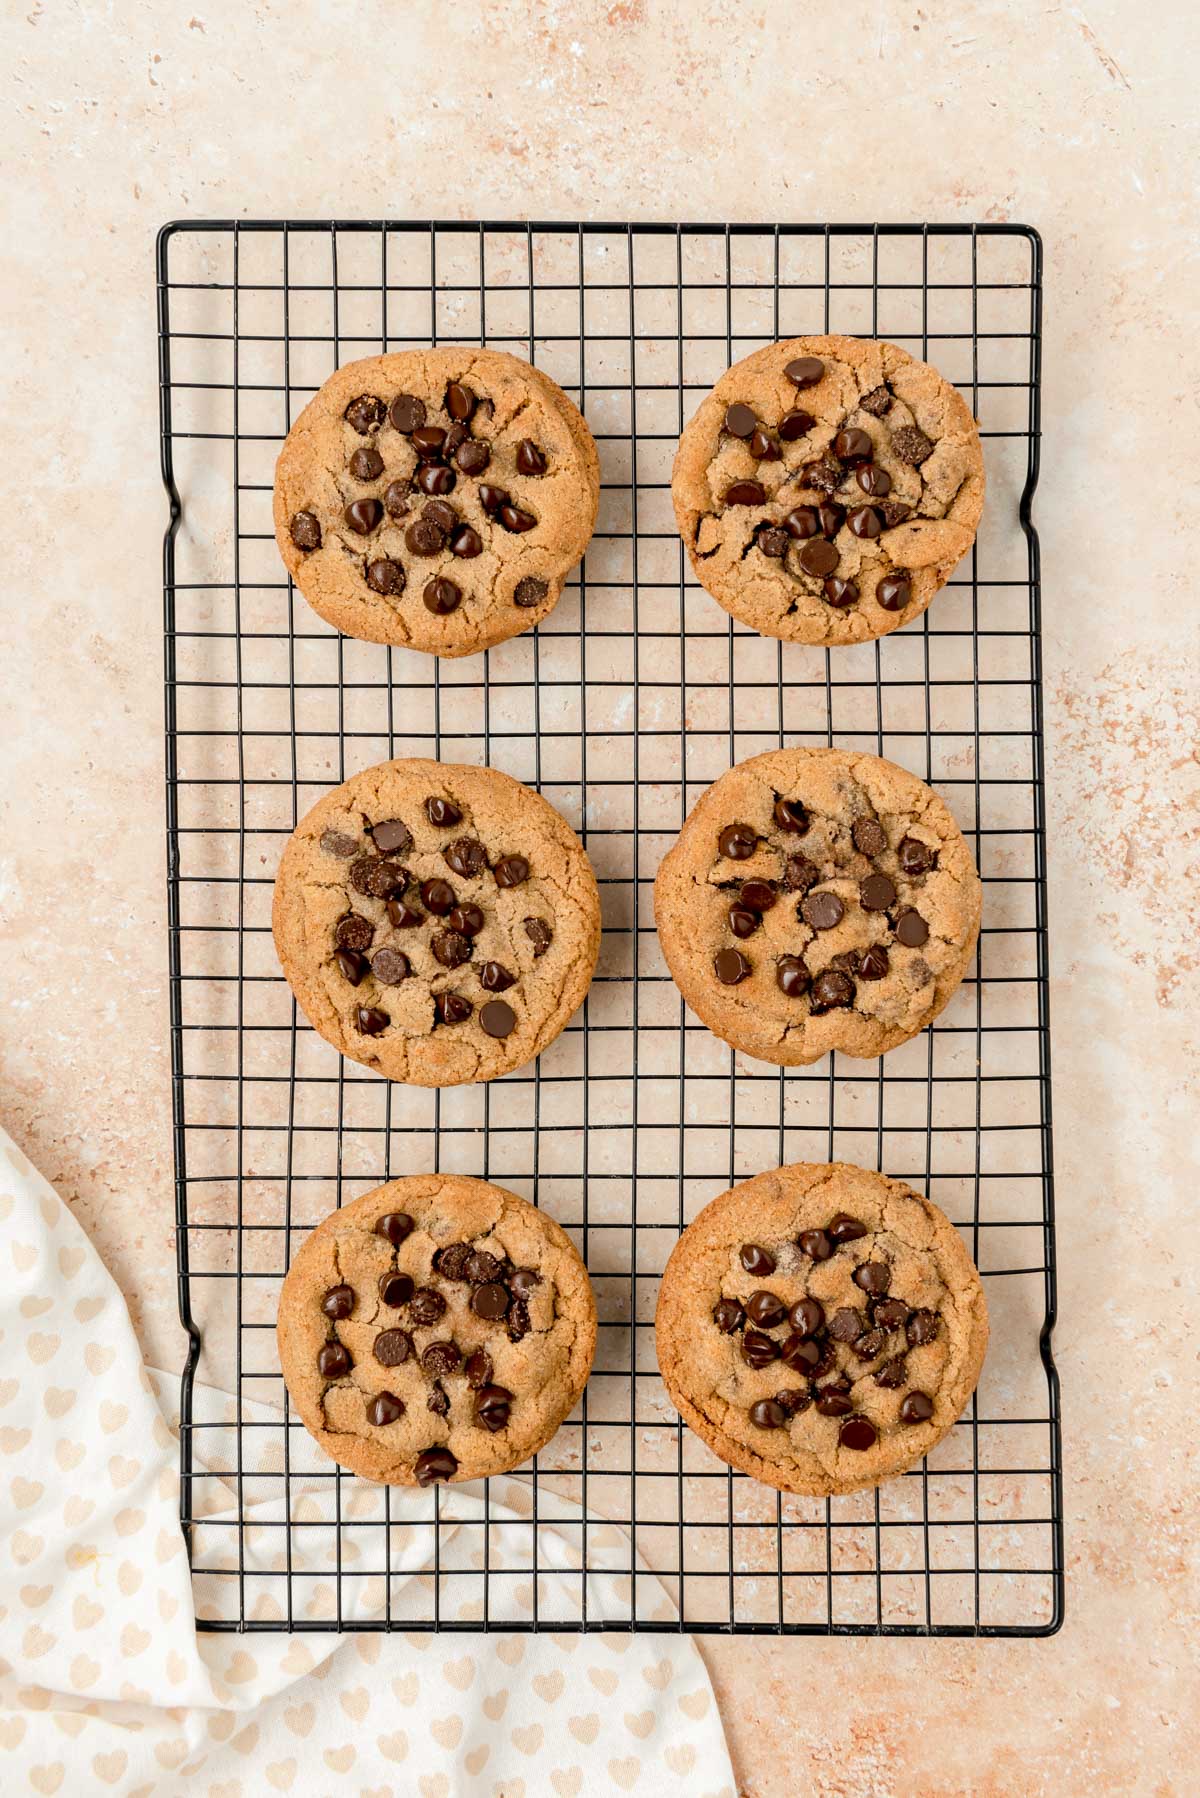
{"x": 438, "y": 1328}
{"x": 827, "y": 487}
{"x": 821, "y": 1327}
{"x": 817, "y": 899}
{"x": 438, "y": 923}
{"x": 436, "y": 498}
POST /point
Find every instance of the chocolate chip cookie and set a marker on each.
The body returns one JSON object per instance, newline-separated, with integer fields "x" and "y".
{"x": 821, "y": 1327}
{"x": 438, "y": 923}
{"x": 827, "y": 487}
{"x": 817, "y": 899}
{"x": 438, "y": 1328}
{"x": 436, "y": 498}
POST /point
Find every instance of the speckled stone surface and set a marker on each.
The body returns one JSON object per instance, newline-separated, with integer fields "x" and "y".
{"x": 117, "y": 121}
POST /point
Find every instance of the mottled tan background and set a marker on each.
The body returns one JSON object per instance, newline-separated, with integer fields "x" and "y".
{"x": 1078, "y": 119}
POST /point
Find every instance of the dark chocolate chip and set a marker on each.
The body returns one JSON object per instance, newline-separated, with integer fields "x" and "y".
{"x": 757, "y": 1260}
{"x": 483, "y": 1266}
{"x": 351, "y": 965}
{"x": 894, "y": 512}
{"x": 391, "y": 834}
{"x": 864, "y": 521}
{"x": 472, "y": 457}
{"x": 395, "y": 1289}
{"x": 793, "y": 1400}
{"x": 494, "y": 977}
{"x": 429, "y": 439}
{"x": 305, "y": 530}
{"x": 438, "y": 896}
{"x": 466, "y": 856}
{"x": 832, "y": 1401}
{"x": 432, "y": 477}
{"x": 805, "y": 371}
{"x": 441, "y": 513}
{"x": 872, "y": 1276}
{"x": 822, "y": 909}
{"x": 762, "y": 447}
{"x": 452, "y": 1008}
{"x": 911, "y": 929}
{"x": 802, "y": 522}
{"x": 385, "y": 576}
{"x": 868, "y": 835}
{"x": 800, "y": 1353}
{"x": 840, "y": 593}
{"x": 844, "y": 1228}
{"x": 441, "y": 1358}
{"x": 394, "y": 1226}
{"x": 892, "y": 1374}
{"x": 738, "y": 841}
{"x": 806, "y": 1316}
{"x": 338, "y": 1302}
{"x": 889, "y": 1314}
{"x": 870, "y": 1345}
{"x": 742, "y": 921}
{"x": 876, "y": 482}
{"x": 772, "y": 541}
{"x": 876, "y": 893}
{"x": 730, "y": 966}
{"x": 894, "y": 592}
{"x": 765, "y": 1309}
{"x": 823, "y": 474}
{"x": 511, "y": 871}
{"x": 853, "y": 445}
{"x": 366, "y": 413}
{"x": 451, "y": 1261}
{"x": 442, "y": 813}
{"x": 740, "y": 420}
{"x": 831, "y": 990}
{"x": 439, "y": 1400}
{"x": 466, "y": 542}
{"x": 846, "y": 1324}
{"x": 796, "y": 423}
{"x": 468, "y": 920}
{"x": 353, "y": 931}
{"x": 434, "y": 1464}
{"x": 492, "y": 498}
{"x": 815, "y": 1244}
{"x": 530, "y": 459}
{"x": 460, "y": 401}
{"x": 384, "y": 1408}
{"x": 426, "y": 1305}
{"x": 799, "y": 874}
{"x": 336, "y": 842}
{"x": 728, "y": 1316}
{"x": 877, "y": 401}
{"x": 911, "y": 445}
{"x": 498, "y": 1019}
{"x": 407, "y": 413}
{"x": 791, "y": 815}
{"x": 818, "y": 557}
{"x": 362, "y": 515}
{"x": 366, "y": 464}
{"x": 858, "y": 1433}
{"x": 767, "y": 1414}
{"x": 516, "y": 519}
{"x": 522, "y": 1281}
{"x": 395, "y": 499}
{"x": 392, "y": 1347}
{"x": 424, "y": 538}
{"x": 492, "y": 1406}
{"x": 478, "y": 1369}
{"x": 334, "y": 1360}
{"x": 745, "y": 493}
{"x": 491, "y": 1300}
{"x": 530, "y": 591}
{"x": 916, "y": 1407}
{"x": 758, "y": 895}
{"x": 539, "y": 934}
{"x": 390, "y": 967}
{"x": 442, "y": 596}
{"x": 371, "y": 1021}
{"x": 518, "y": 1320}
{"x": 791, "y": 976}
{"x": 758, "y": 1350}
{"x": 914, "y": 856}
{"x": 450, "y": 949}
{"x": 922, "y": 1327}
{"x": 830, "y": 517}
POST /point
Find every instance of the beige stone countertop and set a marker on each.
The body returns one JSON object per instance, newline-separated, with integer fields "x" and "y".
{"x": 1077, "y": 119}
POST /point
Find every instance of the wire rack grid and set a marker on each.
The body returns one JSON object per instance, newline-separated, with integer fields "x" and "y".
{"x": 633, "y": 696}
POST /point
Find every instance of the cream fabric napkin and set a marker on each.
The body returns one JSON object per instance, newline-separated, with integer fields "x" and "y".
{"x": 105, "y": 1685}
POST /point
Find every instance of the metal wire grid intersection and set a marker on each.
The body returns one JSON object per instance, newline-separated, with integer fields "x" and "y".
{"x": 634, "y": 695}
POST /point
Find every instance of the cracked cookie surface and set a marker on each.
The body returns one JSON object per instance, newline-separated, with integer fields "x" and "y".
{"x": 817, "y": 899}
{"x": 821, "y": 1327}
{"x": 437, "y": 1329}
{"x": 827, "y": 487}
{"x": 436, "y": 498}
{"x": 438, "y": 923}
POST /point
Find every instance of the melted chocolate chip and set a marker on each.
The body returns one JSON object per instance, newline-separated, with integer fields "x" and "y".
{"x": 401, "y": 916}
{"x": 516, "y": 519}
{"x": 877, "y": 401}
{"x": 466, "y": 856}
{"x": 395, "y": 499}
{"x": 336, "y": 842}
{"x": 434, "y": 477}
{"x": 832, "y": 1401}
{"x": 530, "y": 591}
{"x": 758, "y": 1350}
{"x": 745, "y": 493}
{"x": 889, "y": 1314}
{"x": 429, "y": 439}
{"x": 730, "y": 966}
{"x": 869, "y": 837}
{"x": 384, "y": 1408}
{"x": 452, "y": 1008}
{"x": 362, "y": 515}
{"x": 434, "y": 1464}
{"x": 864, "y": 521}
{"x": 460, "y": 401}
{"x": 441, "y": 596}
{"x": 802, "y": 522}
{"x": 438, "y": 897}
{"x": 738, "y": 841}
{"x": 823, "y": 474}
{"x": 894, "y": 592}
{"x": 467, "y": 920}
{"x": 394, "y": 1226}
{"x": 894, "y": 511}
{"x": 762, "y": 447}
{"x": 426, "y": 1305}
{"x": 914, "y": 856}
{"x": 830, "y": 517}
{"x": 466, "y": 542}
{"x": 353, "y": 931}
{"x": 805, "y": 371}
{"x": 892, "y": 1374}
{"x": 846, "y": 1324}
{"x": 844, "y": 1228}
{"x": 472, "y": 457}
{"x": 815, "y": 1244}
{"x": 366, "y": 464}
{"x": 831, "y": 990}
{"x": 799, "y": 874}
{"x": 518, "y": 1320}
{"x": 494, "y": 977}
{"x": 767, "y": 1414}
{"x": 766, "y": 1310}
{"x": 442, "y": 812}
{"x": 858, "y": 1433}
{"x": 872, "y": 1276}
{"x": 758, "y": 896}
{"x": 539, "y": 934}
{"x": 772, "y": 541}
{"x": 530, "y": 459}
{"x": 523, "y": 1280}
{"x": 755, "y": 1259}
{"x": 791, "y": 976}
{"x": 874, "y": 481}
{"x": 806, "y": 1317}
{"x": 740, "y": 420}
{"x": 492, "y": 1406}
{"x": 800, "y": 1352}
{"x": 840, "y": 593}
{"x": 491, "y": 1300}
{"x": 818, "y": 557}
{"x": 498, "y": 1019}
{"x": 793, "y": 1400}
{"x": 424, "y": 537}
{"x": 338, "y": 1302}
{"x": 450, "y": 949}
{"x": 795, "y": 424}
{"x": 511, "y": 871}
{"x": 392, "y": 1347}
{"x": 351, "y": 965}
{"x": 334, "y": 1360}
{"x": 728, "y": 1316}
{"x": 451, "y": 1261}
{"x": 870, "y": 1345}
{"x": 853, "y": 445}
{"x": 371, "y": 1021}
{"x": 742, "y": 921}
{"x": 407, "y": 413}
{"x": 305, "y": 530}
{"x": 916, "y": 1407}
{"x": 385, "y": 576}
{"x": 876, "y": 893}
{"x": 478, "y": 1369}
{"x": 395, "y": 1290}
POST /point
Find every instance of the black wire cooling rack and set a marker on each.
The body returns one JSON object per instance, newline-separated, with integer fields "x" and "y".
{"x": 633, "y": 696}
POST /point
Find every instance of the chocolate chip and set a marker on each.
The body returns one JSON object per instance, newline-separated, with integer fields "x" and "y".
{"x": 494, "y": 977}
{"x": 767, "y": 1414}
{"x": 876, "y": 893}
{"x": 772, "y": 541}
{"x": 407, "y": 413}
{"x": 806, "y": 1317}
{"x": 336, "y": 842}
{"x": 766, "y": 1310}
{"x": 823, "y": 909}
{"x": 840, "y": 593}
{"x": 497, "y": 1018}
{"x": 530, "y": 591}
{"x": 511, "y": 871}
{"x": 395, "y": 1290}
{"x": 439, "y": 1400}
{"x": 472, "y": 457}
{"x": 894, "y": 511}
{"x": 518, "y": 1320}
{"x": 853, "y": 445}
{"x": 823, "y": 474}
{"x": 362, "y": 515}
{"x": 759, "y": 1350}
{"x": 391, "y": 834}
{"x": 802, "y": 523}
{"x": 385, "y": 576}
{"x": 441, "y": 1358}
{"x": 460, "y": 401}
{"x": 371, "y": 1021}
{"x": 492, "y": 498}
{"x": 334, "y": 1360}
{"x": 877, "y": 401}
{"x": 429, "y": 439}
{"x": 893, "y": 1373}
{"x": 872, "y": 1276}
{"x": 911, "y": 929}
{"x": 401, "y": 916}
{"x": 366, "y": 464}
{"x": 466, "y": 856}
{"x": 738, "y": 841}
{"x": 730, "y": 966}
{"x": 523, "y": 1280}
{"x": 844, "y": 1228}
{"x": 466, "y": 542}
{"x": 758, "y": 895}
{"x": 874, "y": 481}
{"x": 395, "y": 499}
{"x": 515, "y": 519}
{"x": 796, "y": 423}
{"x": 755, "y": 1259}
{"x": 351, "y": 965}
{"x": 745, "y": 493}
{"x": 394, "y": 1226}
{"x": 438, "y": 896}
{"x": 917, "y": 1407}
{"x": 830, "y": 518}
{"x": 818, "y": 557}
{"x": 384, "y": 1408}
{"x": 889, "y": 1314}
{"x": 539, "y": 934}
{"x": 728, "y": 1316}
{"x": 873, "y": 963}
{"x": 468, "y": 920}
{"x": 478, "y": 1369}
{"x": 491, "y": 1300}
{"x": 483, "y": 1266}
{"x": 353, "y": 932}
{"x": 452, "y": 1008}
{"x": 832, "y": 1401}
{"x": 799, "y": 874}
{"x": 392, "y": 1347}
{"x": 864, "y": 521}
{"x": 390, "y": 967}
{"x": 530, "y": 459}
{"x": 815, "y": 1244}
{"x": 426, "y": 1305}
{"x": 492, "y": 1406}
{"x": 791, "y": 976}
{"x": 858, "y": 1433}
{"x": 450, "y": 949}
{"x": 762, "y": 447}
{"x": 846, "y": 1325}
{"x": 742, "y": 921}
{"x": 424, "y": 538}
{"x": 441, "y": 596}
{"x": 870, "y": 1345}
{"x": 434, "y": 1464}
{"x": 366, "y": 413}
{"x": 911, "y": 445}
{"x": 432, "y": 477}
{"x": 793, "y": 1400}
{"x": 868, "y": 835}
{"x": 914, "y": 856}
{"x": 441, "y": 513}
{"x": 800, "y": 1353}
{"x": 338, "y": 1302}
{"x": 894, "y": 592}
{"x": 805, "y": 371}
{"x": 831, "y": 990}
{"x": 451, "y": 1261}
{"x": 305, "y": 530}
{"x": 740, "y": 420}
{"x": 922, "y": 1327}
